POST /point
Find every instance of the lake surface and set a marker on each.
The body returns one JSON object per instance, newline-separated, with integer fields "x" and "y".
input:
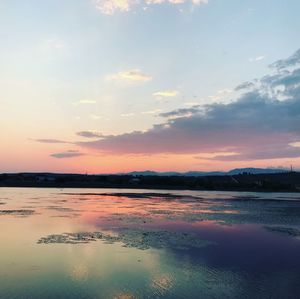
{"x": 113, "y": 243}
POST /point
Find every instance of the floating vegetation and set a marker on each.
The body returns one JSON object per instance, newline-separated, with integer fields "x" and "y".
{"x": 140, "y": 239}
{"x": 65, "y": 216}
{"x": 138, "y": 195}
{"x": 161, "y": 239}
{"x": 245, "y": 197}
{"x": 60, "y": 209}
{"x": 273, "y": 212}
{"x": 71, "y": 238}
{"x": 293, "y": 232}
{"x": 17, "y": 212}
{"x": 130, "y": 219}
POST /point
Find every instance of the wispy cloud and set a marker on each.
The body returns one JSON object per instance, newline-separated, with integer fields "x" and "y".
{"x": 295, "y": 144}
{"x": 110, "y": 7}
{"x": 198, "y": 2}
{"x": 48, "y": 140}
{"x": 130, "y": 75}
{"x": 95, "y": 116}
{"x": 67, "y": 154}
{"x": 154, "y": 111}
{"x": 189, "y": 104}
{"x": 244, "y": 85}
{"x": 182, "y": 112}
{"x": 195, "y": 2}
{"x": 89, "y": 134}
{"x": 127, "y": 114}
{"x": 221, "y": 94}
{"x": 216, "y": 155}
{"x": 256, "y": 59}
{"x": 85, "y": 102}
{"x": 166, "y": 93}
{"x": 285, "y": 63}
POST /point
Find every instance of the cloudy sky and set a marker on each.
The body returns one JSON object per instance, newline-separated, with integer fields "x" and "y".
{"x": 104, "y": 86}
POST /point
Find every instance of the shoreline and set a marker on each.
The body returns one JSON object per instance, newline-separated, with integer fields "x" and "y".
{"x": 279, "y": 182}
{"x": 166, "y": 188}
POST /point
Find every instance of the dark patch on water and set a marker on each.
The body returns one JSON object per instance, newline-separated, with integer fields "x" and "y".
{"x": 17, "y": 212}
{"x": 140, "y": 239}
{"x": 165, "y": 196}
{"x": 290, "y": 231}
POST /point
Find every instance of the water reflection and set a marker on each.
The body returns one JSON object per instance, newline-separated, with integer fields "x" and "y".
{"x": 125, "y": 244}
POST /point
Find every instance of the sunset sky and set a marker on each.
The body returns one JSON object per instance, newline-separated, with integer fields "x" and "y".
{"x": 106, "y": 86}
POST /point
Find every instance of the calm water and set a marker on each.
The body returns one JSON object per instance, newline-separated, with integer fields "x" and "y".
{"x": 112, "y": 243}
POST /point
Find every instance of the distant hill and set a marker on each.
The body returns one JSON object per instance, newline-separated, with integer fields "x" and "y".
{"x": 235, "y": 171}
{"x": 256, "y": 170}
{"x": 244, "y": 179}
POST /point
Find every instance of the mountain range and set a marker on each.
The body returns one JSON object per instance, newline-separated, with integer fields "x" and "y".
{"x": 235, "y": 171}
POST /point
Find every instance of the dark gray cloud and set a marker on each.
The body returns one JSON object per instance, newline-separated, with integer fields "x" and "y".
{"x": 245, "y": 85}
{"x": 90, "y": 134}
{"x": 262, "y": 153}
{"x": 260, "y": 124}
{"x": 181, "y": 112}
{"x": 50, "y": 141}
{"x": 67, "y": 154}
{"x": 289, "y": 62}
{"x": 287, "y": 79}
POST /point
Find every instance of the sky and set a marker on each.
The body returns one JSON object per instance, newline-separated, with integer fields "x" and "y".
{"x": 109, "y": 86}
